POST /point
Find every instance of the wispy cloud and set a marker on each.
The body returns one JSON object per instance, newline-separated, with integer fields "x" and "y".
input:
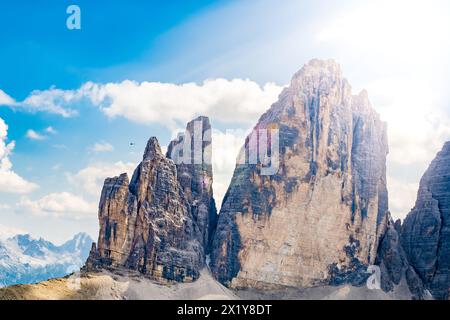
{"x": 51, "y": 101}
{"x": 33, "y": 135}
{"x": 90, "y": 179}
{"x": 6, "y": 99}
{"x": 43, "y": 135}
{"x": 59, "y": 205}
{"x": 60, "y": 146}
{"x": 102, "y": 147}
{"x": 50, "y": 130}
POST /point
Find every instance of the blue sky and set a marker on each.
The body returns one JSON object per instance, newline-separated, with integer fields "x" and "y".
{"x": 133, "y": 55}
{"x": 38, "y": 52}
{"x": 46, "y": 53}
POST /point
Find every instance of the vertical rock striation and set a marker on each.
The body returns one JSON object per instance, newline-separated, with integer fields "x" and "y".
{"x": 426, "y": 229}
{"x": 394, "y": 264}
{"x": 192, "y": 152}
{"x": 154, "y": 224}
{"x": 319, "y": 217}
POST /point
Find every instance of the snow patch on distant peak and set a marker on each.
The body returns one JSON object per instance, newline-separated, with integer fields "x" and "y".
{"x": 24, "y": 259}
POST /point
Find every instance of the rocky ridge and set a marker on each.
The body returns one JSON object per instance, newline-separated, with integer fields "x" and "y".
{"x": 159, "y": 222}
{"x": 426, "y": 230}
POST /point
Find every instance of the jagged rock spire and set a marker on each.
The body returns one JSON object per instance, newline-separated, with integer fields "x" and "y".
{"x": 195, "y": 174}
{"x": 156, "y": 224}
{"x": 153, "y": 149}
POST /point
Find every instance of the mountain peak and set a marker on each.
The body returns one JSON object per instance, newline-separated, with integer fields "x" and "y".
{"x": 424, "y": 231}
{"x": 23, "y": 237}
{"x": 26, "y": 260}
{"x": 171, "y": 204}
{"x": 319, "y": 77}
{"x": 80, "y": 241}
{"x": 319, "y": 68}
{"x": 446, "y": 148}
{"x": 153, "y": 149}
{"x": 331, "y": 163}
{"x": 81, "y": 235}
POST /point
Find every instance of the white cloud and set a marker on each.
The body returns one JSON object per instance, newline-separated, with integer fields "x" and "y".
{"x": 9, "y": 180}
{"x": 225, "y": 148}
{"x": 59, "y": 205}
{"x": 237, "y": 101}
{"x": 52, "y": 101}
{"x": 402, "y": 197}
{"x": 417, "y": 130}
{"x": 91, "y": 178}
{"x": 50, "y": 130}
{"x": 6, "y": 99}
{"x": 164, "y": 148}
{"x": 403, "y": 63}
{"x": 102, "y": 147}
{"x": 417, "y": 127}
{"x": 33, "y": 135}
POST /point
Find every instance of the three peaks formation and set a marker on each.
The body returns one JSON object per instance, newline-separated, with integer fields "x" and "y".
{"x": 321, "y": 219}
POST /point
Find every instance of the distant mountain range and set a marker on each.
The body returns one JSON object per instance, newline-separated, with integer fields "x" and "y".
{"x": 24, "y": 259}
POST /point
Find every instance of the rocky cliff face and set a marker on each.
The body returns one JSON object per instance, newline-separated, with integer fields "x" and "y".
{"x": 192, "y": 152}
{"x": 318, "y": 217}
{"x": 394, "y": 264}
{"x": 153, "y": 224}
{"x": 426, "y": 230}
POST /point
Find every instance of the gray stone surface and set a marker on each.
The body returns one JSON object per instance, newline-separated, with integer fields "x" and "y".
{"x": 156, "y": 223}
{"x": 320, "y": 217}
{"x": 426, "y": 230}
{"x": 196, "y": 177}
{"x": 394, "y": 265}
